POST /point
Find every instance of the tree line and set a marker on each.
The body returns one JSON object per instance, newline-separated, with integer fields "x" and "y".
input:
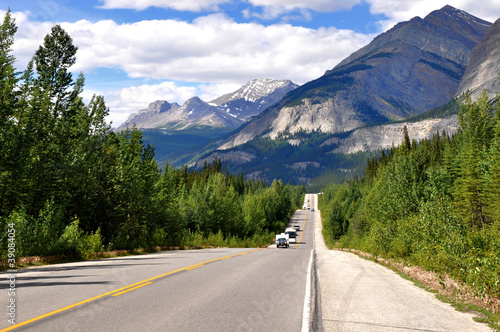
{"x": 70, "y": 185}
{"x": 435, "y": 204}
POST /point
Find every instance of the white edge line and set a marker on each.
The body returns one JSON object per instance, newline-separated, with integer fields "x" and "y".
{"x": 306, "y": 315}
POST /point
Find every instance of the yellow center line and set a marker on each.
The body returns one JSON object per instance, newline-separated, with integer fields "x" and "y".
{"x": 125, "y": 289}
{"x": 128, "y": 290}
{"x": 195, "y": 267}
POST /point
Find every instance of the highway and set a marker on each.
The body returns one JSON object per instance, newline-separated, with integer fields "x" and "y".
{"x": 187, "y": 290}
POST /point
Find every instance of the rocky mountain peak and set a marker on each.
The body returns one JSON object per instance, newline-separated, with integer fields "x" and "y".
{"x": 195, "y": 102}
{"x": 253, "y": 90}
{"x": 158, "y": 106}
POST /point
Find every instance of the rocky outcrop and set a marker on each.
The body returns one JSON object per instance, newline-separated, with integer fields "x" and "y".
{"x": 386, "y": 136}
{"x": 484, "y": 66}
{"x": 194, "y": 112}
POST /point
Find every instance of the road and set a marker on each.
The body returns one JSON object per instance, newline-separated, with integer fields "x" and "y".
{"x": 227, "y": 290}
{"x": 191, "y": 290}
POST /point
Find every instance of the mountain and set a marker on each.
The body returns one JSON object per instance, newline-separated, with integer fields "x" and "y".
{"x": 412, "y": 68}
{"x": 194, "y": 112}
{"x": 254, "y": 97}
{"x": 484, "y": 65}
{"x": 179, "y": 132}
{"x": 228, "y": 111}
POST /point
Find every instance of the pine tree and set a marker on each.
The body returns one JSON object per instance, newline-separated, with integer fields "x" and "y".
{"x": 406, "y": 139}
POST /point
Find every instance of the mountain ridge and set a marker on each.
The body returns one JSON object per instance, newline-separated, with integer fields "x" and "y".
{"x": 391, "y": 78}
{"x": 228, "y": 111}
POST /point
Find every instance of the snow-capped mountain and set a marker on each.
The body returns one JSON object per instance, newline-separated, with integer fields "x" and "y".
{"x": 254, "y": 97}
{"x": 228, "y": 111}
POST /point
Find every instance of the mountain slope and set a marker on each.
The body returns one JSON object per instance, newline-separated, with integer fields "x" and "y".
{"x": 412, "y": 68}
{"x": 484, "y": 65}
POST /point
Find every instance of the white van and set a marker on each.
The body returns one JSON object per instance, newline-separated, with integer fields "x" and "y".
{"x": 292, "y": 235}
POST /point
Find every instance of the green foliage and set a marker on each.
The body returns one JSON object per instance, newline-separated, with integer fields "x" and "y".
{"x": 433, "y": 203}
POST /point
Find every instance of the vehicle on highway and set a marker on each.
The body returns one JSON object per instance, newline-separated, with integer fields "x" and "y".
{"x": 282, "y": 240}
{"x": 296, "y": 227}
{"x": 292, "y": 234}
{"x": 312, "y": 209}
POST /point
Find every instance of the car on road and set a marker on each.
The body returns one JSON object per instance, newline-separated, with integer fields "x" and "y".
{"x": 282, "y": 240}
{"x": 292, "y": 234}
{"x": 296, "y": 227}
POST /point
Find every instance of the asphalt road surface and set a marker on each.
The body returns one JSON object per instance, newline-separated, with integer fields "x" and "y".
{"x": 191, "y": 290}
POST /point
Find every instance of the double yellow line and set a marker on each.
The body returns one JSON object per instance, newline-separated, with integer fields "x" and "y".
{"x": 126, "y": 289}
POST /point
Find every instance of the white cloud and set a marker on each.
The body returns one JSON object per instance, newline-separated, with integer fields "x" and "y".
{"x": 182, "y": 5}
{"x": 272, "y": 9}
{"x": 316, "y": 5}
{"x": 215, "y": 52}
{"x": 401, "y": 10}
{"x": 211, "y": 49}
{"x": 28, "y": 38}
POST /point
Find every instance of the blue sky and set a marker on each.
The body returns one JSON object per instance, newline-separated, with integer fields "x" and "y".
{"x": 134, "y": 52}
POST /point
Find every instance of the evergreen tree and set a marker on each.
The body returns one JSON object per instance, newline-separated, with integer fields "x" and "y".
{"x": 53, "y": 60}
{"x": 476, "y": 132}
{"x": 8, "y": 105}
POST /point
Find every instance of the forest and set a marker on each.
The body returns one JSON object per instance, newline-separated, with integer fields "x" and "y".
{"x": 433, "y": 204}
{"x": 71, "y": 186}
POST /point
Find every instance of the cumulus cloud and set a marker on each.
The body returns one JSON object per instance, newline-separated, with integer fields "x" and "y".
{"x": 181, "y": 5}
{"x": 214, "y": 52}
{"x": 211, "y": 49}
{"x": 400, "y": 10}
{"x": 272, "y": 9}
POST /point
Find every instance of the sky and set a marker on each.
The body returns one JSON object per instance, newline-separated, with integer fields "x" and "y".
{"x": 134, "y": 52}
